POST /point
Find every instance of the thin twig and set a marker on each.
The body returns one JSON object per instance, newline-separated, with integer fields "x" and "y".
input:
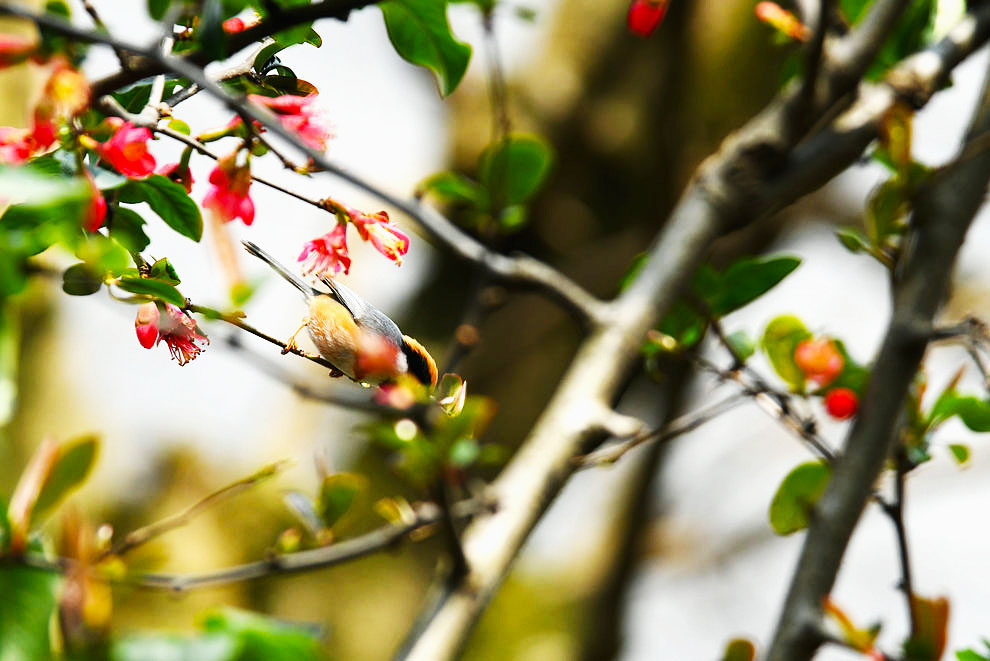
{"x": 237, "y": 321}
{"x": 141, "y": 536}
{"x": 895, "y": 511}
{"x": 425, "y": 515}
{"x": 688, "y": 422}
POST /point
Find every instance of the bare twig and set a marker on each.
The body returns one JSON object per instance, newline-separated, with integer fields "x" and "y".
{"x": 141, "y": 536}
{"x": 609, "y": 454}
{"x": 895, "y": 511}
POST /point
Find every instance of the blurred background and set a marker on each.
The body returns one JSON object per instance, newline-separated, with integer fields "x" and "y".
{"x": 666, "y": 554}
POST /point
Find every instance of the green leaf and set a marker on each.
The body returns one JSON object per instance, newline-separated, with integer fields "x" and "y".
{"x": 746, "y": 280}
{"x": 127, "y": 229}
{"x": 228, "y": 635}
{"x": 974, "y": 412}
{"x": 80, "y": 280}
{"x": 513, "y": 217}
{"x": 337, "y": 493}
{"x": 420, "y": 34}
{"x": 453, "y": 188}
{"x": 779, "y": 341}
{"x": 170, "y": 201}
{"x": 164, "y": 271}
{"x": 742, "y": 344}
{"x": 796, "y": 496}
{"x": 43, "y": 192}
{"x": 515, "y": 168}
{"x": 684, "y": 324}
{"x": 969, "y": 655}
{"x": 264, "y": 638}
{"x": 959, "y": 452}
{"x": 75, "y": 460}
{"x": 26, "y": 608}
{"x": 739, "y": 650}
{"x": 136, "y": 97}
{"x": 464, "y": 452}
{"x": 853, "y": 240}
{"x": 158, "y": 8}
{"x": 4, "y": 527}
{"x": 148, "y": 287}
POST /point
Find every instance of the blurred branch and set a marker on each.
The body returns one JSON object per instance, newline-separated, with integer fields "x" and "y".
{"x": 424, "y": 515}
{"x": 140, "y": 536}
{"x": 943, "y": 212}
{"x": 520, "y": 270}
{"x": 609, "y": 454}
{"x": 895, "y": 511}
{"x": 727, "y": 191}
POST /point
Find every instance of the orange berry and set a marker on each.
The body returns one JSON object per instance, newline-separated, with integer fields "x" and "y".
{"x": 819, "y": 359}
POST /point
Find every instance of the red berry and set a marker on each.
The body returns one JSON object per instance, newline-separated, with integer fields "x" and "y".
{"x": 645, "y": 15}
{"x": 819, "y": 359}
{"x": 841, "y": 403}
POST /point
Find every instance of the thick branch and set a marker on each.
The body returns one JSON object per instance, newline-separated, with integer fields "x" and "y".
{"x": 943, "y": 213}
{"x": 726, "y": 192}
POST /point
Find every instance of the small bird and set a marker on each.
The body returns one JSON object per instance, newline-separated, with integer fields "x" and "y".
{"x": 358, "y": 338}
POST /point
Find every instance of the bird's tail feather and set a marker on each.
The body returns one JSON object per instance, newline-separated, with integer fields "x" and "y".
{"x": 294, "y": 279}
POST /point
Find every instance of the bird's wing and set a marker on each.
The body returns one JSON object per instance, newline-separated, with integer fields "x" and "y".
{"x": 357, "y": 306}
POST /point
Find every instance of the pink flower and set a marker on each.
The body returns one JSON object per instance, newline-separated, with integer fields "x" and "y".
{"x": 127, "y": 151}
{"x": 382, "y": 234}
{"x": 16, "y": 145}
{"x": 177, "y": 329}
{"x": 228, "y": 198}
{"x": 180, "y": 174}
{"x": 298, "y": 114}
{"x": 96, "y": 210}
{"x": 327, "y": 255}
{"x": 645, "y": 16}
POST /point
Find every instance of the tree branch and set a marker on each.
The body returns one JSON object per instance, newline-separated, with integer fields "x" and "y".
{"x": 943, "y": 212}
{"x": 726, "y": 192}
{"x": 425, "y": 515}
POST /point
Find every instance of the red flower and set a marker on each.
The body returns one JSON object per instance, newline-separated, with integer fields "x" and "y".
{"x": 327, "y": 255}
{"x": 841, "y": 403}
{"x": 228, "y": 198}
{"x": 819, "y": 359}
{"x": 384, "y": 236}
{"x": 179, "y": 173}
{"x": 127, "y": 151}
{"x": 298, "y": 114}
{"x": 235, "y": 24}
{"x": 645, "y": 16}
{"x": 177, "y": 329}
{"x": 96, "y": 210}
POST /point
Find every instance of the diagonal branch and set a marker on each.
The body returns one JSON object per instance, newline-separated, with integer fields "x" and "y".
{"x": 943, "y": 213}
{"x": 726, "y": 192}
